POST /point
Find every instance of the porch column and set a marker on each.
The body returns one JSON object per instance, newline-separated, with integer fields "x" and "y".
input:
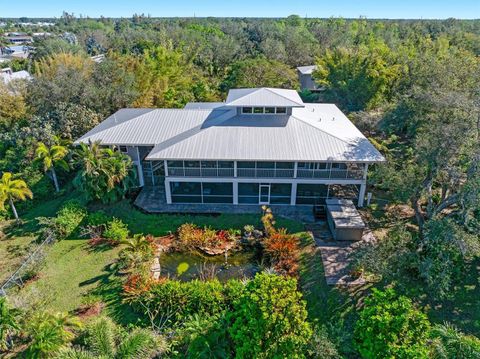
{"x": 151, "y": 173}
{"x": 295, "y": 170}
{"x": 363, "y": 187}
{"x": 234, "y": 168}
{"x": 235, "y": 192}
{"x": 165, "y": 167}
{"x": 293, "y": 194}
{"x": 168, "y": 194}
{"x": 140, "y": 169}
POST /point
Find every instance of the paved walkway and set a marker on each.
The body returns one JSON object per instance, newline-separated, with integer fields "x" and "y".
{"x": 336, "y": 254}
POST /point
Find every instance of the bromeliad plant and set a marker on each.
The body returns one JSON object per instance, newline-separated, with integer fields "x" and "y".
{"x": 280, "y": 247}
{"x": 206, "y": 239}
{"x": 283, "y": 252}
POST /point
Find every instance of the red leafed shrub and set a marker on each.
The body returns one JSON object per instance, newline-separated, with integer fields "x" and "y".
{"x": 137, "y": 284}
{"x": 282, "y": 249}
{"x": 191, "y": 237}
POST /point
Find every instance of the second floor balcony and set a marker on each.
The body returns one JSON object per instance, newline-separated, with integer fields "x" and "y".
{"x": 252, "y": 169}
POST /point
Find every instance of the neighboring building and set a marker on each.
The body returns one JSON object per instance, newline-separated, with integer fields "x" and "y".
{"x": 18, "y": 38}
{"x": 305, "y": 78}
{"x": 98, "y": 58}
{"x": 261, "y": 146}
{"x": 7, "y": 75}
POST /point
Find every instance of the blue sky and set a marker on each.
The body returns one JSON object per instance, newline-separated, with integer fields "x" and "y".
{"x": 427, "y": 9}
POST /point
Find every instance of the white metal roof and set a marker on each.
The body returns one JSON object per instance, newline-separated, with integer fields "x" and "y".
{"x": 203, "y": 105}
{"x": 10, "y": 76}
{"x": 147, "y": 126}
{"x": 263, "y": 96}
{"x": 315, "y": 132}
{"x": 306, "y": 70}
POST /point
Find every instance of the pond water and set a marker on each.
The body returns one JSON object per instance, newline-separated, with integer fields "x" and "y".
{"x": 188, "y": 266}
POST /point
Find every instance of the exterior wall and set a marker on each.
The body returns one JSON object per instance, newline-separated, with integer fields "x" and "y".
{"x": 331, "y": 186}
{"x": 307, "y": 82}
{"x": 236, "y": 181}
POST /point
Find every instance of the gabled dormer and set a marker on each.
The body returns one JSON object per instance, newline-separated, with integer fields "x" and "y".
{"x": 263, "y": 101}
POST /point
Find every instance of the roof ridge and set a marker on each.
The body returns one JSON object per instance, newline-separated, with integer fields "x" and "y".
{"x": 276, "y": 93}
{"x": 319, "y": 129}
{"x": 255, "y": 89}
{"x": 118, "y": 123}
{"x": 192, "y": 132}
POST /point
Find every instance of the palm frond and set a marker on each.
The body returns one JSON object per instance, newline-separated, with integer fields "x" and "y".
{"x": 100, "y": 337}
{"x": 139, "y": 344}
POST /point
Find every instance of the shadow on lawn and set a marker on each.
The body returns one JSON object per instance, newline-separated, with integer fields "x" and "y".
{"x": 109, "y": 290}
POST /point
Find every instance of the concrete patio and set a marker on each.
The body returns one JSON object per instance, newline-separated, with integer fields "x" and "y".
{"x": 152, "y": 199}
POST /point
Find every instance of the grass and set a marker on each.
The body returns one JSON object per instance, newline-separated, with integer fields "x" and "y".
{"x": 328, "y": 306}
{"x": 72, "y": 270}
{"x": 12, "y": 251}
{"x": 162, "y": 224}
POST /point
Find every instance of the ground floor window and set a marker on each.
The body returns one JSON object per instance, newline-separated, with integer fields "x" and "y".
{"x": 318, "y": 193}
{"x": 268, "y": 193}
{"x": 280, "y": 193}
{"x": 201, "y": 192}
{"x": 248, "y": 193}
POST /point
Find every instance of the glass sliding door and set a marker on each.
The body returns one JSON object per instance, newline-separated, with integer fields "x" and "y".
{"x": 264, "y": 194}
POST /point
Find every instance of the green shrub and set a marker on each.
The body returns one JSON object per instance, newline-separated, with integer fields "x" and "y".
{"x": 176, "y": 300}
{"x": 203, "y": 337}
{"x": 269, "y": 320}
{"x": 321, "y": 346}
{"x": 97, "y": 218}
{"x": 116, "y": 230}
{"x": 68, "y": 218}
{"x": 391, "y": 327}
{"x": 449, "y": 342}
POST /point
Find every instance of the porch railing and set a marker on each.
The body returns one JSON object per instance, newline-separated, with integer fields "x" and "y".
{"x": 265, "y": 172}
{"x": 200, "y": 172}
{"x": 330, "y": 174}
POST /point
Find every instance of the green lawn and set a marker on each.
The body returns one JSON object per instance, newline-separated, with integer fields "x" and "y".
{"x": 72, "y": 270}
{"x": 12, "y": 250}
{"x": 161, "y": 224}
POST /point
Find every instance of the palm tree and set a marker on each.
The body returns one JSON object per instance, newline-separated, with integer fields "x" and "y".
{"x": 8, "y": 322}
{"x": 105, "y": 339}
{"x": 49, "y": 333}
{"x": 104, "y": 174}
{"x": 11, "y": 190}
{"x": 51, "y": 156}
{"x": 138, "y": 251}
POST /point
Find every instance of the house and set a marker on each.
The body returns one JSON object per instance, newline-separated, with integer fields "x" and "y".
{"x": 18, "y": 38}
{"x": 7, "y": 75}
{"x": 260, "y": 146}
{"x": 305, "y": 78}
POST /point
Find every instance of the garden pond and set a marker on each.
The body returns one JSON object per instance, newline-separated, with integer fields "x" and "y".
{"x": 186, "y": 266}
